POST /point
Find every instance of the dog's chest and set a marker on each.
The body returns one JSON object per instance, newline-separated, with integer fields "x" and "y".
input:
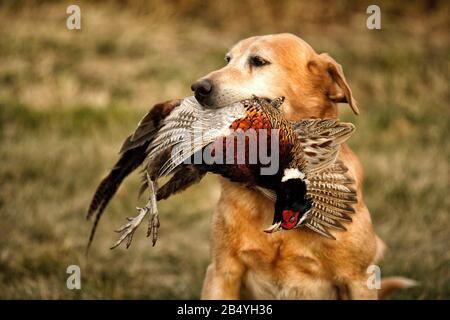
{"x": 277, "y": 269}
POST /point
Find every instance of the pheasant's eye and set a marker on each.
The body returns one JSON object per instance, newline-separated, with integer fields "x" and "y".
{"x": 257, "y": 61}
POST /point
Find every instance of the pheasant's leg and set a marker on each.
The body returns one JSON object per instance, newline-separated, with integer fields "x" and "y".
{"x": 127, "y": 230}
{"x": 153, "y": 223}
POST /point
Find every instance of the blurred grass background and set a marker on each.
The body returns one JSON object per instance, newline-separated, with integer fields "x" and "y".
{"x": 68, "y": 99}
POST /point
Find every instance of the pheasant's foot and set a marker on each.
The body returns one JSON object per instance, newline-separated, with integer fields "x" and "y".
{"x": 128, "y": 229}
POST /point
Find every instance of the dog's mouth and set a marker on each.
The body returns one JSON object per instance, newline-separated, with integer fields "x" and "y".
{"x": 267, "y": 98}
{"x": 227, "y": 97}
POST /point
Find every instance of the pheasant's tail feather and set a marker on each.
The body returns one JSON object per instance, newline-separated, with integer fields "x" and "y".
{"x": 332, "y": 198}
{"x": 127, "y": 163}
{"x": 133, "y": 153}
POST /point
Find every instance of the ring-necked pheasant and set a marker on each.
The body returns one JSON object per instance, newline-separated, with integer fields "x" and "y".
{"x": 309, "y": 186}
{"x": 308, "y": 179}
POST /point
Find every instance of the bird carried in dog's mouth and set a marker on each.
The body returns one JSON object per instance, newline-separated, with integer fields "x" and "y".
{"x": 309, "y": 186}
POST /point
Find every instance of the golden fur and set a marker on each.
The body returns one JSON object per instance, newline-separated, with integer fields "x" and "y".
{"x": 297, "y": 264}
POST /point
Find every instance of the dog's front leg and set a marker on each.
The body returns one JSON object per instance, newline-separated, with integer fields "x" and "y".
{"x": 223, "y": 282}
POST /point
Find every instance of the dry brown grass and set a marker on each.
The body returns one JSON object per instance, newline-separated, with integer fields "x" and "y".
{"x": 68, "y": 98}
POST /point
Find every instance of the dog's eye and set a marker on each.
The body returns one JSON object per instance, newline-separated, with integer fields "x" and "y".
{"x": 227, "y": 59}
{"x": 257, "y": 61}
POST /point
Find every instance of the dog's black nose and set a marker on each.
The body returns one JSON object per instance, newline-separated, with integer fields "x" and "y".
{"x": 202, "y": 89}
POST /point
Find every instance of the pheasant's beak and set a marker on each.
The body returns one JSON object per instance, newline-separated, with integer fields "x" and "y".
{"x": 274, "y": 228}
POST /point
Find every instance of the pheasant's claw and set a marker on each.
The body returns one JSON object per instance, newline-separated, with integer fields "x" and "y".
{"x": 128, "y": 229}
{"x": 153, "y": 227}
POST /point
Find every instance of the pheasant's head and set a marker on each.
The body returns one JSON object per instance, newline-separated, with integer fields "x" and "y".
{"x": 291, "y": 205}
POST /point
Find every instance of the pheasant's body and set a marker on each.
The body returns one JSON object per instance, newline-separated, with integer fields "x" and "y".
{"x": 262, "y": 122}
{"x": 309, "y": 187}
{"x": 305, "y": 150}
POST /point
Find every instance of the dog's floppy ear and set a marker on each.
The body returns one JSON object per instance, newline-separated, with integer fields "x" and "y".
{"x": 340, "y": 90}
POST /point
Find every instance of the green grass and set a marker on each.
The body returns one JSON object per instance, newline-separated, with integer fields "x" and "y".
{"x": 69, "y": 98}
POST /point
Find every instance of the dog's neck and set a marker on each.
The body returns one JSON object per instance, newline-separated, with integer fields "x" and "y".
{"x": 253, "y": 204}
{"x": 301, "y": 104}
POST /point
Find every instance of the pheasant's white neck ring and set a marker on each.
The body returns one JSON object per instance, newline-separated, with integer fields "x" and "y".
{"x": 292, "y": 173}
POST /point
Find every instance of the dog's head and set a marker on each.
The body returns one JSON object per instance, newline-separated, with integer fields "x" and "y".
{"x": 278, "y": 65}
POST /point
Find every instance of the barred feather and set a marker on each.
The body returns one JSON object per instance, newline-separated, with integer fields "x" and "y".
{"x": 133, "y": 153}
{"x": 198, "y": 128}
{"x": 318, "y": 227}
{"x": 341, "y": 215}
{"x": 328, "y": 185}
{"x": 321, "y": 140}
{"x": 331, "y": 198}
{"x": 338, "y": 196}
{"x": 331, "y": 202}
{"x": 332, "y": 177}
{"x": 332, "y": 186}
{"x": 327, "y": 221}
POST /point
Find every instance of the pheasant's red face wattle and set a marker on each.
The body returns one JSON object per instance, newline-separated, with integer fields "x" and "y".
{"x": 290, "y": 219}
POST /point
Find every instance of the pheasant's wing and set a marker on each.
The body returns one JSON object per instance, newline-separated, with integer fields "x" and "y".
{"x": 183, "y": 177}
{"x": 132, "y": 154}
{"x": 149, "y": 125}
{"x": 320, "y": 141}
{"x": 175, "y": 128}
{"x": 332, "y": 195}
{"x": 190, "y": 129}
